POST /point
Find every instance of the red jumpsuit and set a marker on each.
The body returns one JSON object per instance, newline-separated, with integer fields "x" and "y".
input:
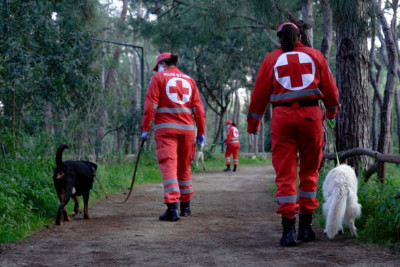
{"x": 232, "y": 146}
{"x": 293, "y": 82}
{"x": 173, "y": 101}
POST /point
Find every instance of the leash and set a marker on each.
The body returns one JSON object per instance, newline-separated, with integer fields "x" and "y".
{"x": 133, "y": 177}
{"x": 331, "y": 124}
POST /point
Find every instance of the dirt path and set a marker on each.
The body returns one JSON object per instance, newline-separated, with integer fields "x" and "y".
{"x": 232, "y": 224}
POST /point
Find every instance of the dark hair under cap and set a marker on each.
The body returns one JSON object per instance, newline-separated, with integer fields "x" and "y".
{"x": 288, "y": 34}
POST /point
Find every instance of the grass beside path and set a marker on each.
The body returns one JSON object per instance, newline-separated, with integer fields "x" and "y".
{"x": 28, "y": 200}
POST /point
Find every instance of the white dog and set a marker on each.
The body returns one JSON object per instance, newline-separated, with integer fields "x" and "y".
{"x": 200, "y": 156}
{"x": 341, "y": 201}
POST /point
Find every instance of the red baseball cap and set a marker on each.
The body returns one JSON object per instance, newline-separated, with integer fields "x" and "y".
{"x": 160, "y": 58}
{"x": 228, "y": 122}
{"x": 287, "y": 23}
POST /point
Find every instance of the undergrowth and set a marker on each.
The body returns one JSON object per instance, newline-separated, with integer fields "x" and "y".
{"x": 28, "y": 200}
{"x": 380, "y": 219}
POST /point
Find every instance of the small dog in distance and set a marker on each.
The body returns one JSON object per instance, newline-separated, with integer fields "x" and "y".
{"x": 200, "y": 156}
{"x": 341, "y": 200}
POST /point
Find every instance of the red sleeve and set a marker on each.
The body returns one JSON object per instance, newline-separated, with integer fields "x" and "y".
{"x": 329, "y": 90}
{"x": 150, "y": 103}
{"x": 198, "y": 111}
{"x": 229, "y": 135}
{"x": 260, "y": 95}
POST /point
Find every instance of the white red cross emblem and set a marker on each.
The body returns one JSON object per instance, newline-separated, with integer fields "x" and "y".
{"x": 235, "y": 132}
{"x": 294, "y": 70}
{"x": 179, "y": 90}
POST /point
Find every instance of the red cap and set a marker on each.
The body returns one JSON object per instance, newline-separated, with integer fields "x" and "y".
{"x": 287, "y": 23}
{"x": 160, "y": 58}
{"x": 228, "y": 122}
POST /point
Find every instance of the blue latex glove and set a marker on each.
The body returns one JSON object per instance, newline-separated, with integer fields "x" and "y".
{"x": 200, "y": 139}
{"x": 145, "y": 135}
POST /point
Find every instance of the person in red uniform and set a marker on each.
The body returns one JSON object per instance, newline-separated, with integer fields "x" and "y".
{"x": 232, "y": 145}
{"x": 293, "y": 78}
{"x": 173, "y": 101}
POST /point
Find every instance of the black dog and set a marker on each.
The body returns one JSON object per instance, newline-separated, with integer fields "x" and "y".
{"x": 72, "y": 179}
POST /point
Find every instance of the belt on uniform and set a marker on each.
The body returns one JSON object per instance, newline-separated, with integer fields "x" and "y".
{"x": 301, "y": 103}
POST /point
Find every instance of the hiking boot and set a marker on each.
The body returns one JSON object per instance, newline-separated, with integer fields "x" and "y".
{"x": 171, "y": 214}
{"x": 228, "y": 168}
{"x": 306, "y": 234}
{"x": 289, "y": 232}
{"x": 185, "y": 209}
{"x": 234, "y": 168}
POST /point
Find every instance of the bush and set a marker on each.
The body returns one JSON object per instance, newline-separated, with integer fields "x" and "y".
{"x": 380, "y": 219}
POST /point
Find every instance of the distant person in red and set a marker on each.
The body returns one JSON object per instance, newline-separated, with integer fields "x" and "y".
{"x": 232, "y": 145}
{"x": 173, "y": 101}
{"x": 294, "y": 78}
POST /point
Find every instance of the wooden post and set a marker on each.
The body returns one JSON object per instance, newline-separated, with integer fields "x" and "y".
{"x": 381, "y": 171}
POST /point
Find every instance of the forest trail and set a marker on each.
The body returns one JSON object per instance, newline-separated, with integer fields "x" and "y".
{"x": 233, "y": 223}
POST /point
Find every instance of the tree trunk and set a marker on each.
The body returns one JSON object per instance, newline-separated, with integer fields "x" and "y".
{"x": 307, "y": 14}
{"x": 236, "y": 109}
{"x": 385, "y": 136}
{"x": 48, "y": 119}
{"x": 108, "y": 80}
{"x": 353, "y": 127}
{"x": 328, "y": 29}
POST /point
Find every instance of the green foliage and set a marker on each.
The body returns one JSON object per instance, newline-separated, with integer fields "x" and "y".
{"x": 380, "y": 219}
{"x": 28, "y": 199}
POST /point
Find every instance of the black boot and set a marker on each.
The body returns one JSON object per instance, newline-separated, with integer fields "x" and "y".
{"x": 234, "y": 168}
{"x": 289, "y": 232}
{"x": 228, "y": 168}
{"x": 185, "y": 209}
{"x": 171, "y": 214}
{"x": 306, "y": 234}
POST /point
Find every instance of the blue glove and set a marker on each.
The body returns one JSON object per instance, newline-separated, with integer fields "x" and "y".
{"x": 200, "y": 139}
{"x": 223, "y": 141}
{"x": 254, "y": 134}
{"x": 145, "y": 135}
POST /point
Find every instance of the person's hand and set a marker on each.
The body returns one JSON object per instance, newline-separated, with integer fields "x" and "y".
{"x": 223, "y": 141}
{"x": 254, "y": 134}
{"x": 145, "y": 135}
{"x": 200, "y": 139}
{"x": 331, "y": 123}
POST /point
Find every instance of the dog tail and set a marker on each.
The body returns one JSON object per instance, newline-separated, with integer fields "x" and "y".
{"x": 59, "y": 153}
{"x": 336, "y": 212}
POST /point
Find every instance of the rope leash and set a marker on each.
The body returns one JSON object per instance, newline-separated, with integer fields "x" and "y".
{"x": 331, "y": 124}
{"x": 133, "y": 178}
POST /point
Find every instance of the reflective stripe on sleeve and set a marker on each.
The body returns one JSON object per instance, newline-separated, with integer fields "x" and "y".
{"x": 254, "y": 115}
{"x": 332, "y": 107}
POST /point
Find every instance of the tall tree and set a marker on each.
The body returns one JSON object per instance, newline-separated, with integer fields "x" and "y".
{"x": 385, "y": 136}
{"x": 352, "y": 61}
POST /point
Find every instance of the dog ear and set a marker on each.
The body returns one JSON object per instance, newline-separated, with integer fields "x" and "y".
{"x": 60, "y": 175}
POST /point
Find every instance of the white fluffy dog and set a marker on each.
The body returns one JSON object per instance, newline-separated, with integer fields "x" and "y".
{"x": 341, "y": 201}
{"x": 200, "y": 156}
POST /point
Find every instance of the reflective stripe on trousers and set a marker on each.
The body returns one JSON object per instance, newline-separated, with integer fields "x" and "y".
{"x": 174, "y": 154}
{"x": 296, "y": 130}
